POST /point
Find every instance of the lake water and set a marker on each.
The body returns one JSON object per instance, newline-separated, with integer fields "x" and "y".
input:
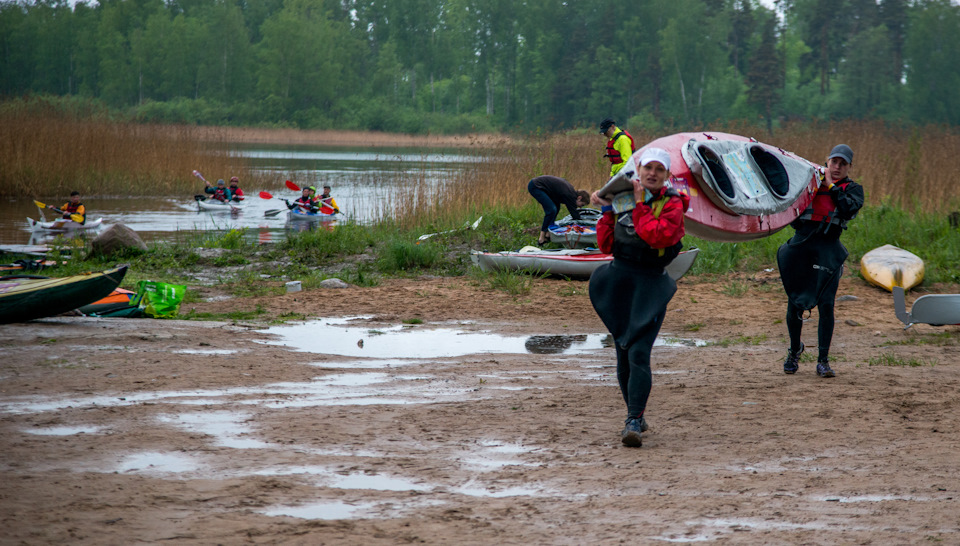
{"x": 363, "y": 183}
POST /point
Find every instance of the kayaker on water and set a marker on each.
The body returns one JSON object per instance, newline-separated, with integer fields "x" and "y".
{"x": 328, "y": 205}
{"x": 619, "y": 146}
{"x": 811, "y": 262}
{"x": 235, "y": 191}
{"x": 220, "y": 192}
{"x": 71, "y": 207}
{"x": 631, "y": 293}
{"x": 551, "y": 192}
{"x": 306, "y": 201}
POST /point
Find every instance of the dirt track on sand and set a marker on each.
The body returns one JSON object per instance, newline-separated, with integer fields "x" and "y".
{"x": 126, "y": 431}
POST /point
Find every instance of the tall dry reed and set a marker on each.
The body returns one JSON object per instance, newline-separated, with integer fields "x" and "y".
{"x": 48, "y": 153}
{"x": 907, "y": 167}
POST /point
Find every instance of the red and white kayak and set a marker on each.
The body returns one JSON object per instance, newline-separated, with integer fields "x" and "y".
{"x": 62, "y": 225}
{"x": 573, "y": 263}
{"x": 739, "y": 189}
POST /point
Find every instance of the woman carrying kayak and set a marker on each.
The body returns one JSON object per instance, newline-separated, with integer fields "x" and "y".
{"x": 631, "y": 293}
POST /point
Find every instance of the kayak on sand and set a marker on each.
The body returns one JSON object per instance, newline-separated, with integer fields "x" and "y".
{"x": 573, "y": 263}
{"x": 26, "y": 298}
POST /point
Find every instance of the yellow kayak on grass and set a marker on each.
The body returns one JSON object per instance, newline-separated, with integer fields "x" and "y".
{"x": 888, "y": 266}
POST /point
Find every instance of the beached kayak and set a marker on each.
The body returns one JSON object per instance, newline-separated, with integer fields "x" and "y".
{"x": 888, "y": 266}
{"x": 62, "y": 225}
{"x": 23, "y": 299}
{"x": 573, "y": 263}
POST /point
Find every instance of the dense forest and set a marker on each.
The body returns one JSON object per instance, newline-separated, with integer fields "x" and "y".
{"x": 447, "y": 66}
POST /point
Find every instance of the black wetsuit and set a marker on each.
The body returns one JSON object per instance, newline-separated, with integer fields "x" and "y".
{"x": 811, "y": 264}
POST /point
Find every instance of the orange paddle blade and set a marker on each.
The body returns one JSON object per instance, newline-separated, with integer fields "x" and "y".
{"x": 292, "y": 186}
{"x": 266, "y": 195}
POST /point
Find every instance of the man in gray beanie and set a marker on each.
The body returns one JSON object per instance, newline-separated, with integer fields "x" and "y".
{"x": 811, "y": 262}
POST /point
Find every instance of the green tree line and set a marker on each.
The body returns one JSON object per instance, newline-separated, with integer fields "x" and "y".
{"x": 485, "y": 65}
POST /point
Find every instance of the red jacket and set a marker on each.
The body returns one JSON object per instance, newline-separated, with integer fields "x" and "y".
{"x": 658, "y": 232}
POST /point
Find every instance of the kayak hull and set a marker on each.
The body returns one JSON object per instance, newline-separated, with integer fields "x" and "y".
{"x": 572, "y": 263}
{"x": 23, "y": 299}
{"x": 214, "y": 205}
{"x": 739, "y": 189}
{"x": 62, "y": 225}
{"x": 296, "y": 215}
{"x": 888, "y": 266}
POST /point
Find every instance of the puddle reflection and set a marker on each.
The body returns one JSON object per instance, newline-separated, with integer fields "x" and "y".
{"x": 340, "y": 336}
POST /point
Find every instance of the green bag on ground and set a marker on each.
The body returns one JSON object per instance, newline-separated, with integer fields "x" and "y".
{"x": 159, "y": 299}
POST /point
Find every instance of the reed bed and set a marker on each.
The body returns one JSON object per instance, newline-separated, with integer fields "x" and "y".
{"x": 46, "y": 152}
{"x": 912, "y": 168}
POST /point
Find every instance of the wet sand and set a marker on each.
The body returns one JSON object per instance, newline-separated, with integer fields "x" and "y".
{"x": 124, "y": 431}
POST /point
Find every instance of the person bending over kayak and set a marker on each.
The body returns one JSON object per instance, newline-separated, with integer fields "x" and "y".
{"x": 328, "y": 205}
{"x": 811, "y": 262}
{"x": 71, "y": 207}
{"x": 551, "y": 192}
{"x": 220, "y": 192}
{"x": 630, "y": 294}
{"x": 306, "y": 201}
{"x": 235, "y": 191}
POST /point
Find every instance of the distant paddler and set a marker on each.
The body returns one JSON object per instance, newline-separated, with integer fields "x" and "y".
{"x": 328, "y": 205}
{"x": 306, "y": 203}
{"x": 73, "y": 211}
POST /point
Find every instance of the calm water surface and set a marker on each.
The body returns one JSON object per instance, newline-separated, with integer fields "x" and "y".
{"x": 363, "y": 183}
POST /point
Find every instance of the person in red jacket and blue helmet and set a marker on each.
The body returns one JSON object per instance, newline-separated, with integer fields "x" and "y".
{"x": 811, "y": 262}
{"x": 631, "y": 293}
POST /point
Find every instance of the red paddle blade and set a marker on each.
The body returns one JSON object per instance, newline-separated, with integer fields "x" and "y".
{"x": 266, "y": 195}
{"x": 292, "y": 186}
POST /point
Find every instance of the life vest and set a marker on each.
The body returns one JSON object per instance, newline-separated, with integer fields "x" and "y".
{"x": 308, "y": 203}
{"x": 612, "y": 153}
{"x": 627, "y": 245}
{"x": 824, "y": 209}
{"x": 69, "y": 209}
{"x": 220, "y": 194}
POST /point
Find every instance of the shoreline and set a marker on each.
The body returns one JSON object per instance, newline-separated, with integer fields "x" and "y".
{"x": 247, "y": 135}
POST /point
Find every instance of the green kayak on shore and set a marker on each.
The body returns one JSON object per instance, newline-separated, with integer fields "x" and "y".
{"x": 25, "y": 298}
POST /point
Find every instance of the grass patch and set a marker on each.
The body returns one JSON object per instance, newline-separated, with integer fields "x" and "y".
{"x": 413, "y": 321}
{"x": 739, "y": 340}
{"x": 941, "y": 339}
{"x": 515, "y": 283}
{"x": 693, "y": 327}
{"x": 890, "y": 359}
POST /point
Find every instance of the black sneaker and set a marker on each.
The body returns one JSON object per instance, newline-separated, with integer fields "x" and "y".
{"x": 824, "y": 369}
{"x": 631, "y": 433}
{"x": 643, "y": 424}
{"x": 792, "y": 363}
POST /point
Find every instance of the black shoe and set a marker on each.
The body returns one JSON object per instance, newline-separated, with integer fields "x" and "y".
{"x": 631, "y": 433}
{"x": 824, "y": 369}
{"x": 792, "y": 363}
{"x": 643, "y": 424}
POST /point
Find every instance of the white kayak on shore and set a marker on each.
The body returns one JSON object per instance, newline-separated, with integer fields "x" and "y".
{"x": 573, "y": 263}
